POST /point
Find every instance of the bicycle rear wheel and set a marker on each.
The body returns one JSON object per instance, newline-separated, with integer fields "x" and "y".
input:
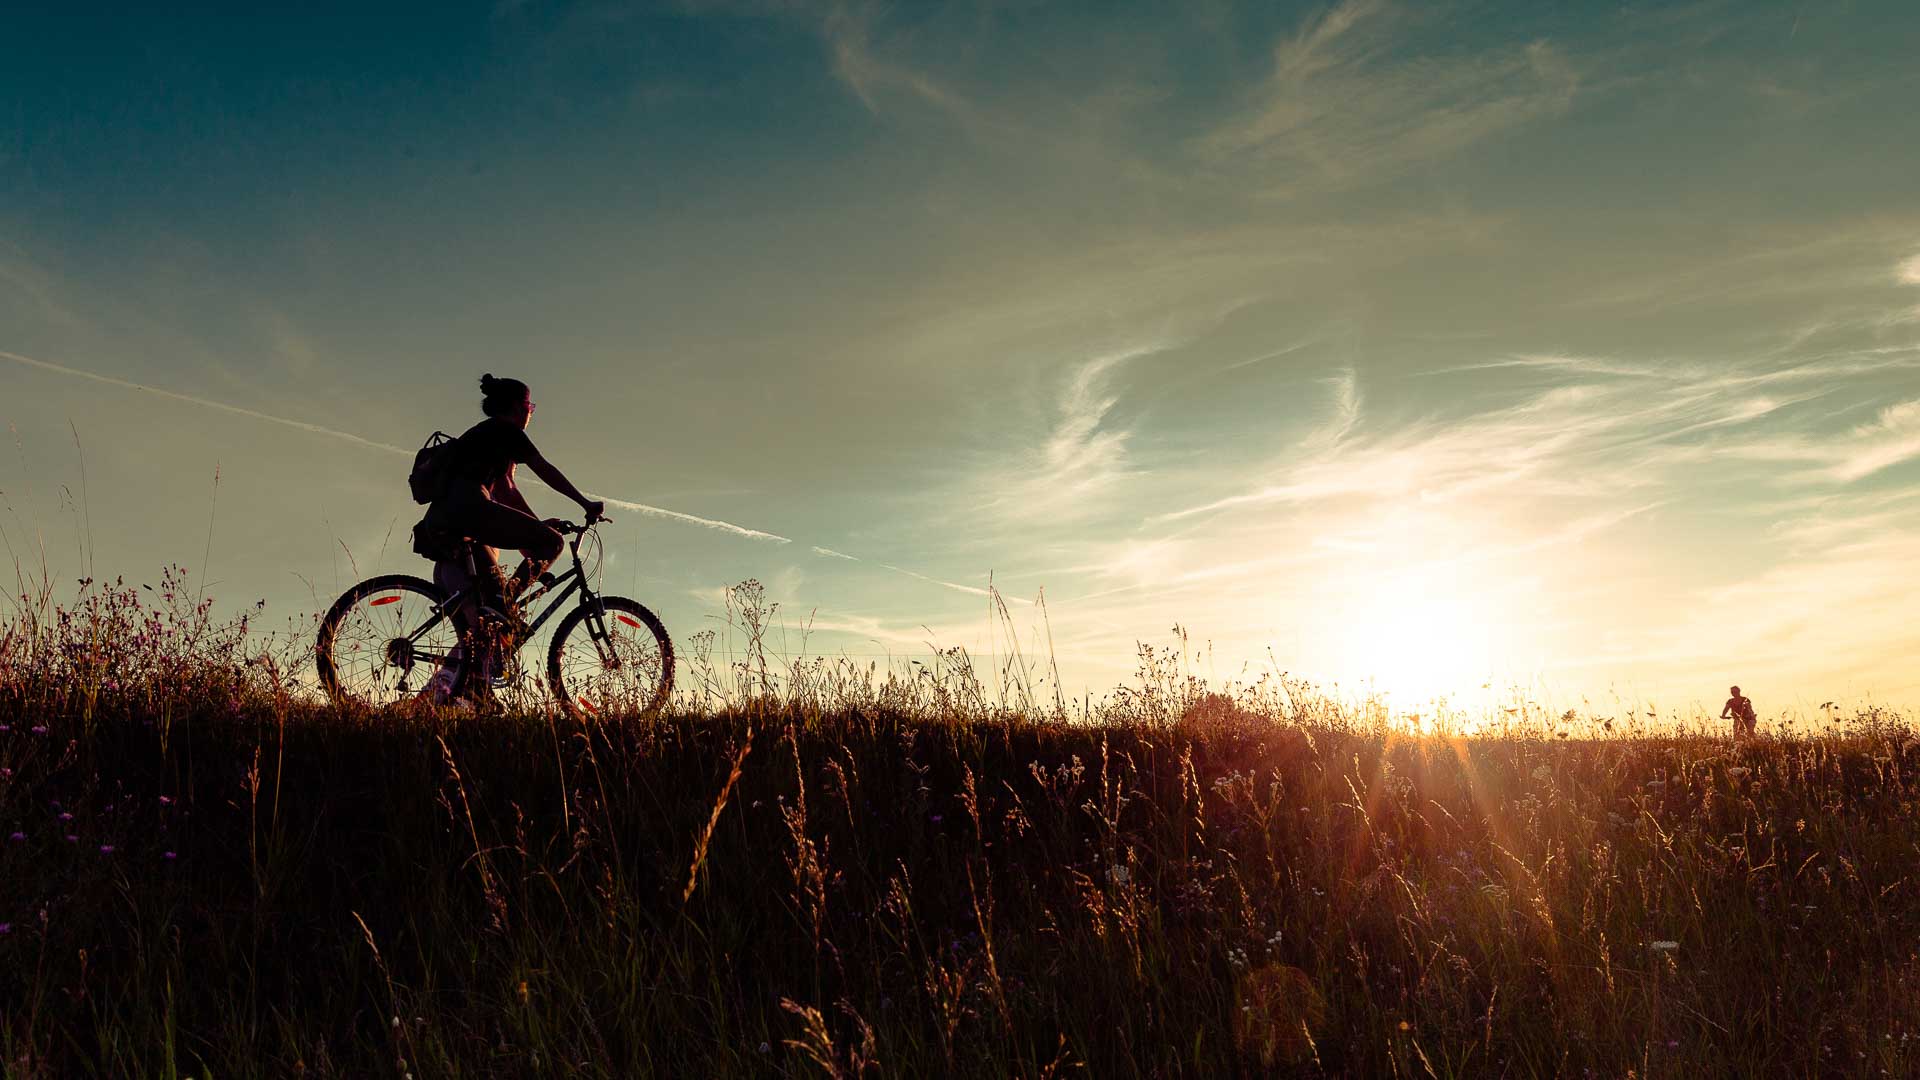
{"x": 619, "y": 665}
{"x": 384, "y": 639}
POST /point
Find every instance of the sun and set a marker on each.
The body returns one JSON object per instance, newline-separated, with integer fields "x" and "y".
{"x": 1413, "y": 636}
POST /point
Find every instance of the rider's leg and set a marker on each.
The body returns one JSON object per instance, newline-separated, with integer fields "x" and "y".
{"x": 456, "y": 576}
{"x": 490, "y": 525}
{"x": 507, "y": 527}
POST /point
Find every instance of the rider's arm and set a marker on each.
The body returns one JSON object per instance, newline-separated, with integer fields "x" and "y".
{"x": 508, "y": 494}
{"x": 556, "y": 480}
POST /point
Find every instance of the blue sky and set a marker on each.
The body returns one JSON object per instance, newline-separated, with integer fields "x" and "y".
{"x": 1577, "y": 346}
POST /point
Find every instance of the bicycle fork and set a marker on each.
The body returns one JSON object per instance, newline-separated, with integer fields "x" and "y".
{"x": 597, "y": 629}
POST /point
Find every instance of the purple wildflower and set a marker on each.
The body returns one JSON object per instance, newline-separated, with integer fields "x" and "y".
{"x": 72, "y": 839}
{"x": 17, "y": 837}
{"x": 166, "y": 800}
{"x": 168, "y": 855}
{"x": 6, "y": 928}
{"x": 106, "y": 849}
{"x": 66, "y": 816}
{"x": 39, "y": 729}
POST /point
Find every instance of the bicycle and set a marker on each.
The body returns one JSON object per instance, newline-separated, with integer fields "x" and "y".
{"x": 609, "y": 657}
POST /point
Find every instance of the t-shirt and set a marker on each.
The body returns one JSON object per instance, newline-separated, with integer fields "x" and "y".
{"x": 1741, "y": 707}
{"x": 487, "y": 453}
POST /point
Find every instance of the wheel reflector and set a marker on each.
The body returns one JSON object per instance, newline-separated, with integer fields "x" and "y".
{"x": 629, "y": 620}
{"x": 384, "y": 600}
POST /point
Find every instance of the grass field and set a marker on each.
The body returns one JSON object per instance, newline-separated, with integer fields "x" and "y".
{"x": 206, "y": 874}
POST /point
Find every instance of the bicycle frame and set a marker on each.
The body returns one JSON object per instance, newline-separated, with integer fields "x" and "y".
{"x": 575, "y": 580}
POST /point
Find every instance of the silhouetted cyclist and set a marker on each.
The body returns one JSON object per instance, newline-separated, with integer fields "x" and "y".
{"x": 1740, "y": 709}
{"x": 482, "y": 502}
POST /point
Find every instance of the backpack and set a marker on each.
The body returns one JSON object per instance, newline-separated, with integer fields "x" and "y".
{"x": 432, "y": 468}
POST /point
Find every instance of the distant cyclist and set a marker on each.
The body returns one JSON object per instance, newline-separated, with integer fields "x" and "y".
{"x": 482, "y": 502}
{"x": 1739, "y": 709}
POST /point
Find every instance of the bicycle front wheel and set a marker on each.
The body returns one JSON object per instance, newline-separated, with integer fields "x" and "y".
{"x": 384, "y": 639}
{"x": 611, "y": 664}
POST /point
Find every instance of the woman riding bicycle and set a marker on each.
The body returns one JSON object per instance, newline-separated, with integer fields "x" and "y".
{"x": 481, "y": 501}
{"x": 389, "y": 641}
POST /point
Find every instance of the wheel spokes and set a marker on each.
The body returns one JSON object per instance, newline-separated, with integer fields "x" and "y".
{"x": 389, "y": 644}
{"x": 619, "y": 673}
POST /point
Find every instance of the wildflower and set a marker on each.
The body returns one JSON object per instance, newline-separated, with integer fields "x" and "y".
{"x": 106, "y": 849}
{"x": 4, "y": 728}
{"x": 168, "y": 855}
{"x": 1664, "y": 946}
{"x": 1119, "y": 875}
{"x": 6, "y": 928}
{"x": 765, "y": 1049}
{"x": 66, "y": 816}
{"x": 39, "y": 729}
{"x": 72, "y": 839}
{"x": 1738, "y": 772}
{"x": 166, "y": 800}
{"x": 1543, "y": 772}
{"x": 17, "y": 837}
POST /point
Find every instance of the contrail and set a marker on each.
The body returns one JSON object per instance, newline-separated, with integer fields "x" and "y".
{"x": 708, "y": 523}
{"x": 126, "y": 384}
{"x": 974, "y": 589}
{"x": 348, "y": 436}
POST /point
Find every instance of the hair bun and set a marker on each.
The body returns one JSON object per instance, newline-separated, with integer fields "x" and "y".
{"x": 486, "y": 383}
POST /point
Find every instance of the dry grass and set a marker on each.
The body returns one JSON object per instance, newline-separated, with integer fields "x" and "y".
{"x": 848, "y": 874}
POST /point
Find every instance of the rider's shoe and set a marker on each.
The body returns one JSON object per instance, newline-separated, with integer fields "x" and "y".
{"x": 507, "y": 623}
{"x": 517, "y": 582}
{"x": 479, "y": 699}
{"x": 514, "y": 587}
{"x": 439, "y": 689}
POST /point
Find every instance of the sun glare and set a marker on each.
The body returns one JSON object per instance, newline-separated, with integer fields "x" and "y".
{"x": 1413, "y": 638}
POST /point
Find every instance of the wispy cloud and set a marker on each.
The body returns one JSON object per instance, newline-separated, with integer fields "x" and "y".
{"x": 1082, "y": 452}
{"x": 1611, "y": 426}
{"x": 871, "y": 74}
{"x": 1344, "y": 103}
{"x": 1345, "y": 416}
{"x": 1892, "y": 438}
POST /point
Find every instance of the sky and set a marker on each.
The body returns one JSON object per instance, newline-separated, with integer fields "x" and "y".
{"x": 1411, "y": 349}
